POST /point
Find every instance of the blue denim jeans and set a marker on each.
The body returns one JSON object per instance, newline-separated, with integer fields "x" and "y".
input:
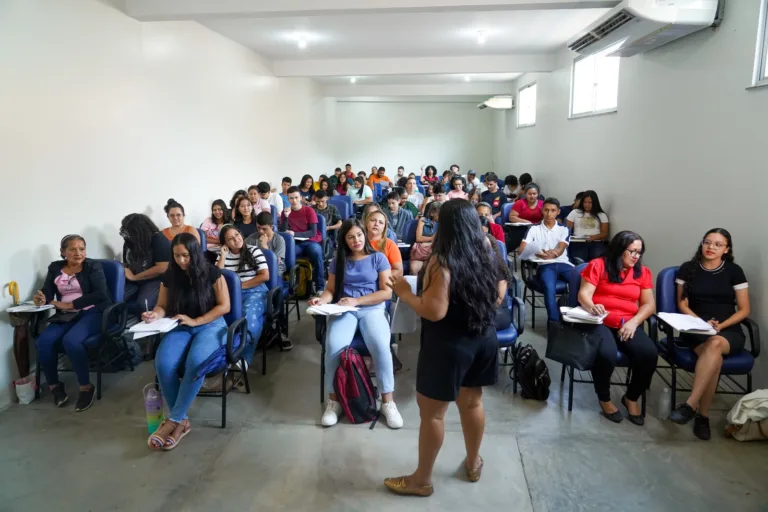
{"x": 69, "y": 337}
{"x": 314, "y": 253}
{"x": 254, "y": 307}
{"x": 189, "y": 346}
{"x": 549, "y": 274}
{"x": 374, "y": 326}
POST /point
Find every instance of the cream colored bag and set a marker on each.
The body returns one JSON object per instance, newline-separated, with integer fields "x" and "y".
{"x": 748, "y": 420}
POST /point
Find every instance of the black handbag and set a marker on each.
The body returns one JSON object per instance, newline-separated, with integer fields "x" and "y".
{"x": 573, "y": 345}
{"x": 63, "y": 317}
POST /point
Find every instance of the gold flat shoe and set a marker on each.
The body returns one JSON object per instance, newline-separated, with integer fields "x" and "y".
{"x": 474, "y": 474}
{"x": 399, "y": 486}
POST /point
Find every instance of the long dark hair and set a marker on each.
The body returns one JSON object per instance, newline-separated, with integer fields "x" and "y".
{"x": 303, "y": 180}
{"x": 247, "y": 261}
{"x": 362, "y": 186}
{"x": 695, "y": 265}
{"x": 460, "y": 179}
{"x": 430, "y": 168}
{"x": 137, "y": 229}
{"x": 221, "y": 204}
{"x": 236, "y": 215}
{"x": 460, "y": 247}
{"x": 233, "y": 201}
{"x": 343, "y": 252}
{"x": 614, "y": 255}
{"x": 596, "y": 208}
{"x": 198, "y": 274}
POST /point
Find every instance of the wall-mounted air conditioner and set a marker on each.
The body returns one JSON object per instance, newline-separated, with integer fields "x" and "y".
{"x": 503, "y": 102}
{"x": 641, "y": 25}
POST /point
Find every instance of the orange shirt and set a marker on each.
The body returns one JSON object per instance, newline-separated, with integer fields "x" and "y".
{"x": 391, "y": 251}
{"x": 169, "y": 236}
{"x": 377, "y": 179}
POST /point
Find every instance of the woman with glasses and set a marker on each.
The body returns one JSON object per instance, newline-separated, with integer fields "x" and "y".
{"x": 176, "y": 214}
{"x": 714, "y": 288}
{"x": 619, "y": 285}
{"x": 77, "y": 288}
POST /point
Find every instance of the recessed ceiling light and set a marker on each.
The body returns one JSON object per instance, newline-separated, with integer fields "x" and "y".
{"x": 481, "y": 37}
{"x": 352, "y": 80}
{"x": 302, "y": 44}
{"x": 467, "y": 78}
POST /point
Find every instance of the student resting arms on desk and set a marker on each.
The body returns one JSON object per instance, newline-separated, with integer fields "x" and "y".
{"x": 528, "y": 209}
{"x": 358, "y": 277}
{"x": 588, "y": 222}
{"x": 714, "y": 288}
{"x": 76, "y": 284}
{"x": 175, "y": 213}
{"x": 195, "y": 293}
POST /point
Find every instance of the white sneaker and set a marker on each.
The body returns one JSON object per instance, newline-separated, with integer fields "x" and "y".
{"x": 390, "y": 412}
{"x": 331, "y": 414}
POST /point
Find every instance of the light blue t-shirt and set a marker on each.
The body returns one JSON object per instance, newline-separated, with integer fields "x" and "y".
{"x": 361, "y": 277}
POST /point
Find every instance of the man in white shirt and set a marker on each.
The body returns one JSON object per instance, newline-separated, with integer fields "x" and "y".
{"x": 272, "y": 198}
{"x": 474, "y": 182}
{"x": 552, "y": 241}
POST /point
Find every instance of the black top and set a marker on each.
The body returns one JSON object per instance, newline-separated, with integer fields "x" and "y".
{"x": 92, "y": 283}
{"x": 332, "y": 216}
{"x": 248, "y": 229}
{"x": 712, "y": 293}
{"x": 495, "y": 199}
{"x": 189, "y": 303}
{"x": 160, "y": 253}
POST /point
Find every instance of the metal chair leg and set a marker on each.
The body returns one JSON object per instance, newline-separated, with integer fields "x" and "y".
{"x": 322, "y": 375}
{"x": 264, "y": 358}
{"x": 245, "y": 376}
{"x": 645, "y": 396}
{"x": 570, "y": 390}
{"x": 514, "y": 373}
{"x": 673, "y": 402}
{"x": 298, "y": 313}
{"x": 37, "y": 378}
{"x": 127, "y": 352}
{"x": 224, "y": 398}
{"x": 562, "y": 375}
{"x": 98, "y": 376}
{"x": 533, "y": 309}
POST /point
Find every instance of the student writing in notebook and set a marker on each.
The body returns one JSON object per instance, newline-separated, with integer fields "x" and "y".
{"x": 714, "y": 288}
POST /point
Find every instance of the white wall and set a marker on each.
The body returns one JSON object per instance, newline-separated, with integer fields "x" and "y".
{"x": 685, "y": 152}
{"x": 413, "y": 135}
{"x": 103, "y": 115}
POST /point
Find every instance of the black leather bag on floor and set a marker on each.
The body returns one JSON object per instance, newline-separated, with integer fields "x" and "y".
{"x": 573, "y": 345}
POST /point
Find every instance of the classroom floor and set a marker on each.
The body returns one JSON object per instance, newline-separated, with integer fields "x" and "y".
{"x": 274, "y": 455}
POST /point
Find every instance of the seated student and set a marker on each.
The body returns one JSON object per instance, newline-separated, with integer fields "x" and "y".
{"x": 527, "y": 209}
{"x": 401, "y": 172}
{"x": 376, "y": 224}
{"x": 244, "y": 218}
{"x": 324, "y": 185}
{"x": 334, "y": 180}
{"x": 493, "y": 196}
{"x": 446, "y": 181}
{"x": 175, "y": 213}
{"x": 398, "y": 217}
{"x": 330, "y": 212}
{"x": 714, "y": 288}
{"x": 212, "y": 225}
{"x": 358, "y": 277}
{"x": 195, "y": 293}
{"x": 374, "y": 207}
{"x": 438, "y": 194}
{"x": 273, "y": 199}
{"x": 405, "y": 203}
{"x": 233, "y": 202}
{"x": 146, "y": 252}
{"x": 524, "y": 181}
{"x": 429, "y": 177}
{"x": 343, "y": 185}
{"x": 285, "y": 185}
{"x": 301, "y": 222}
{"x": 552, "y": 239}
{"x": 380, "y": 178}
{"x": 588, "y": 222}
{"x": 473, "y": 196}
{"x": 485, "y": 210}
{"x": 306, "y": 190}
{"x": 259, "y": 204}
{"x": 77, "y": 288}
{"x": 348, "y": 172}
{"x": 360, "y": 193}
{"x": 414, "y": 196}
{"x": 250, "y": 265}
{"x": 473, "y": 182}
{"x": 566, "y": 210}
{"x": 319, "y": 181}
{"x": 425, "y": 235}
{"x": 510, "y": 187}
{"x": 457, "y": 188}
{"x": 618, "y": 284}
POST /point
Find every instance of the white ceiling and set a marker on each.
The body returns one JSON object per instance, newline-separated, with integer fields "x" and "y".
{"x": 434, "y": 79}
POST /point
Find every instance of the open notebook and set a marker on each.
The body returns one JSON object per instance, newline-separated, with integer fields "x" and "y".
{"x": 581, "y": 316}
{"x": 687, "y": 323}
{"x": 143, "y": 329}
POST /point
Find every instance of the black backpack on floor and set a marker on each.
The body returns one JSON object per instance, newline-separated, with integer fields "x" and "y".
{"x": 532, "y": 374}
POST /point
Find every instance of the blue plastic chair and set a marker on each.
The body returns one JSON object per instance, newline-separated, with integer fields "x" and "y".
{"x": 274, "y": 310}
{"x": 534, "y": 286}
{"x": 289, "y": 285}
{"x": 275, "y": 216}
{"x": 343, "y": 204}
{"x": 420, "y": 188}
{"x": 504, "y": 217}
{"x": 112, "y": 326}
{"x": 508, "y": 337}
{"x": 203, "y": 240}
{"x": 622, "y": 361}
{"x": 682, "y": 358}
{"x": 377, "y": 191}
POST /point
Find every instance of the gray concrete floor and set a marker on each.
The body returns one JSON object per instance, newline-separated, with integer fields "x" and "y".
{"x": 274, "y": 455}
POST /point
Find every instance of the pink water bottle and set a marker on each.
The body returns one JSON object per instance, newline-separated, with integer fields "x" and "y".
{"x": 153, "y": 405}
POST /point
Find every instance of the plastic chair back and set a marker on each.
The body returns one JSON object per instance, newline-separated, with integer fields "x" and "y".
{"x": 504, "y": 217}
{"x": 377, "y": 191}
{"x": 115, "y": 276}
{"x": 503, "y": 249}
{"x": 321, "y": 226}
{"x": 290, "y": 250}
{"x": 574, "y": 283}
{"x": 666, "y": 294}
{"x": 275, "y": 214}
{"x": 345, "y": 209}
{"x": 235, "y": 296}
{"x": 409, "y": 234}
{"x": 420, "y": 188}
{"x": 203, "y": 240}
{"x": 275, "y": 279}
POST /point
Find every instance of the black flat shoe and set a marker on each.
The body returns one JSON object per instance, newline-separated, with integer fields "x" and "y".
{"x": 682, "y": 414}
{"x": 636, "y": 419}
{"x": 701, "y": 427}
{"x": 615, "y": 416}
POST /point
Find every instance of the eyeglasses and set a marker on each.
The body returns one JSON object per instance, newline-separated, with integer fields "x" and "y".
{"x": 714, "y": 245}
{"x": 635, "y": 254}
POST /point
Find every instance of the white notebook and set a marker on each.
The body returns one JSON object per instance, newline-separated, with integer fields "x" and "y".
{"x": 329, "y": 309}
{"x": 143, "y": 329}
{"x": 687, "y": 323}
{"x": 28, "y": 308}
{"x": 580, "y": 315}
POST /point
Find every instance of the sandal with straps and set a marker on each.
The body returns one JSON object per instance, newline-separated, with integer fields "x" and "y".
{"x": 171, "y": 442}
{"x": 156, "y": 441}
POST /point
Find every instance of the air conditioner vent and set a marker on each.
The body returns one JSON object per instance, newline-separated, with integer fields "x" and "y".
{"x": 613, "y": 23}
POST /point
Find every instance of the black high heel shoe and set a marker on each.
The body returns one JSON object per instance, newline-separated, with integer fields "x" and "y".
{"x": 635, "y": 419}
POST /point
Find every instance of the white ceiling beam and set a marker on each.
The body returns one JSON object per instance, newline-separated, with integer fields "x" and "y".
{"x": 200, "y": 10}
{"x": 472, "y": 89}
{"x": 415, "y": 65}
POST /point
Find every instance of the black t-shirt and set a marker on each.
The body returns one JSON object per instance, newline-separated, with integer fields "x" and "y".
{"x": 189, "y": 304}
{"x": 495, "y": 199}
{"x": 247, "y": 229}
{"x": 712, "y": 293}
{"x": 160, "y": 253}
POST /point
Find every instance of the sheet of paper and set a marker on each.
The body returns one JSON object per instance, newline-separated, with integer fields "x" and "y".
{"x": 329, "y": 309}
{"x": 687, "y": 323}
{"x": 301, "y": 239}
{"x": 530, "y": 251}
{"x": 404, "y": 246}
{"x": 518, "y": 224}
{"x": 28, "y": 308}
{"x": 403, "y": 319}
{"x": 158, "y": 326}
{"x": 579, "y": 312}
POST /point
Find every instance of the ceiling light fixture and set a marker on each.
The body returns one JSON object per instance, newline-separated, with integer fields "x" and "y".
{"x": 466, "y": 79}
{"x": 302, "y": 44}
{"x": 504, "y": 102}
{"x": 352, "y": 80}
{"x": 481, "y": 37}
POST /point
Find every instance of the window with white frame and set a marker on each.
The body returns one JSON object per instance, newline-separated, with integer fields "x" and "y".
{"x": 761, "y": 55}
{"x": 526, "y": 106}
{"x": 595, "y": 84}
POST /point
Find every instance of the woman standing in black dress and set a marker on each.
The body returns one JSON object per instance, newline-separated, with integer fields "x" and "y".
{"x": 459, "y": 349}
